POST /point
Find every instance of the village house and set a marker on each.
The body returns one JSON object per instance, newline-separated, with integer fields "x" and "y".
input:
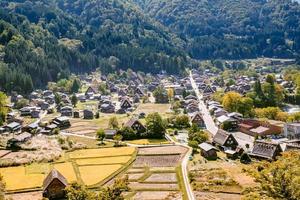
{"x": 107, "y": 108}
{"x": 54, "y": 185}
{"x": 66, "y": 111}
{"x": 208, "y": 151}
{"x": 192, "y": 108}
{"x": 88, "y": 114}
{"x": 13, "y": 127}
{"x": 198, "y": 119}
{"x": 292, "y": 130}
{"x": 62, "y": 122}
{"x": 17, "y": 140}
{"x": 225, "y": 140}
{"x": 265, "y": 150}
{"x": 224, "y": 119}
{"x": 91, "y": 91}
{"x": 256, "y": 128}
{"x": 136, "y": 125}
{"x": 125, "y": 104}
{"x": 76, "y": 114}
{"x": 30, "y": 127}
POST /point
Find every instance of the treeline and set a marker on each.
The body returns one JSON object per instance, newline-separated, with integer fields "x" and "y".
{"x": 231, "y": 29}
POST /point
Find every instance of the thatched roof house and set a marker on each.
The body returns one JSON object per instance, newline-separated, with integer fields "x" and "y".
{"x": 54, "y": 185}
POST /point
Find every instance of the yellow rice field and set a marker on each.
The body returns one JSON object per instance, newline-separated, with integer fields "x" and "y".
{"x": 104, "y": 152}
{"x": 104, "y": 161}
{"x": 67, "y": 170}
{"x": 16, "y": 178}
{"x": 89, "y": 166}
{"x": 92, "y": 175}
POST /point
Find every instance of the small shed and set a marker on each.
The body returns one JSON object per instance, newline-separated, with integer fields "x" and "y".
{"x": 76, "y": 114}
{"x": 208, "y": 151}
{"x": 54, "y": 185}
{"x": 88, "y": 114}
{"x": 110, "y": 133}
{"x": 231, "y": 154}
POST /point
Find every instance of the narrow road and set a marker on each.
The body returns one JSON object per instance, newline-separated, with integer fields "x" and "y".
{"x": 209, "y": 122}
{"x": 184, "y": 169}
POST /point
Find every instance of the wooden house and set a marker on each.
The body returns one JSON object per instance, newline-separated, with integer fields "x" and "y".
{"x": 62, "y": 122}
{"x": 107, "y": 108}
{"x": 13, "y": 127}
{"x": 66, "y": 111}
{"x": 225, "y": 140}
{"x": 88, "y": 114}
{"x": 54, "y": 185}
{"x": 265, "y": 150}
{"x": 198, "y": 119}
{"x": 125, "y": 104}
{"x": 136, "y": 125}
{"x": 91, "y": 91}
{"x": 208, "y": 151}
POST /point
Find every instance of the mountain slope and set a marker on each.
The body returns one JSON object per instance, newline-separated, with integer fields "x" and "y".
{"x": 50, "y": 39}
{"x": 231, "y": 28}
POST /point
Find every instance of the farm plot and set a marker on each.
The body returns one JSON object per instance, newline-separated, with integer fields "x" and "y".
{"x": 147, "y": 108}
{"x": 154, "y": 174}
{"x": 16, "y": 178}
{"x": 212, "y": 179}
{"x": 92, "y": 175}
{"x": 145, "y": 195}
{"x": 103, "y": 161}
{"x": 90, "y": 166}
{"x": 157, "y": 160}
{"x": 104, "y": 152}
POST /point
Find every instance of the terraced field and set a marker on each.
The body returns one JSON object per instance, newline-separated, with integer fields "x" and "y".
{"x": 156, "y": 174}
{"x": 92, "y": 167}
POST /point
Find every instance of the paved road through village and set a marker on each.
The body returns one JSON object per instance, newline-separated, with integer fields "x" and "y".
{"x": 209, "y": 122}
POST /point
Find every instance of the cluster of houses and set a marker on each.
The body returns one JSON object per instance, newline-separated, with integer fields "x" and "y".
{"x": 259, "y": 139}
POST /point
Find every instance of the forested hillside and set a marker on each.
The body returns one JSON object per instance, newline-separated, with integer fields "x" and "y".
{"x": 231, "y": 28}
{"x": 45, "y": 40}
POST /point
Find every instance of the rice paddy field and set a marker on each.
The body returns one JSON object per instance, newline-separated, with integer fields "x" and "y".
{"x": 92, "y": 167}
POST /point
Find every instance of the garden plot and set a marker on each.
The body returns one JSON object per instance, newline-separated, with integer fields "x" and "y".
{"x": 153, "y": 186}
{"x": 220, "y": 178}
{"x": 162, "y": 150}
{"x": 153, "y": 195}
{"x": 157, "y": 160}
{"x": 156, "y": 174}
{"x": 162, "y": 178}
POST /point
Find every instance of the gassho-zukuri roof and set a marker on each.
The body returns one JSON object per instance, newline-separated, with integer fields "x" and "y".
{"x": 265, "y": 149}
{"x": 221, "y": 137}
{"x": 54, "y": 174}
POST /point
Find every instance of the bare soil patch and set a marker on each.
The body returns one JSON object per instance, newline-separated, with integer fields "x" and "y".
{"x": 156, "y": 195}
{"x": 162, "y": 178}
{"x": 216, "y": 196}
{"x": 162, "y": 150}
{"x": 157, "y": 161}
{"x": 26, "y": 196}
{"x": 135, "y": 177}
{"x": 149, "y": 186}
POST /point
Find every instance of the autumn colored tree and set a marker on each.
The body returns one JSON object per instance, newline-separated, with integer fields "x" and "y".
{"x": 278, "y": 180}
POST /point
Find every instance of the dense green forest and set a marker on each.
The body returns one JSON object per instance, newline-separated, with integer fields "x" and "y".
{"x": 231, "y": 29}
{"x": 46, "y": 40}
